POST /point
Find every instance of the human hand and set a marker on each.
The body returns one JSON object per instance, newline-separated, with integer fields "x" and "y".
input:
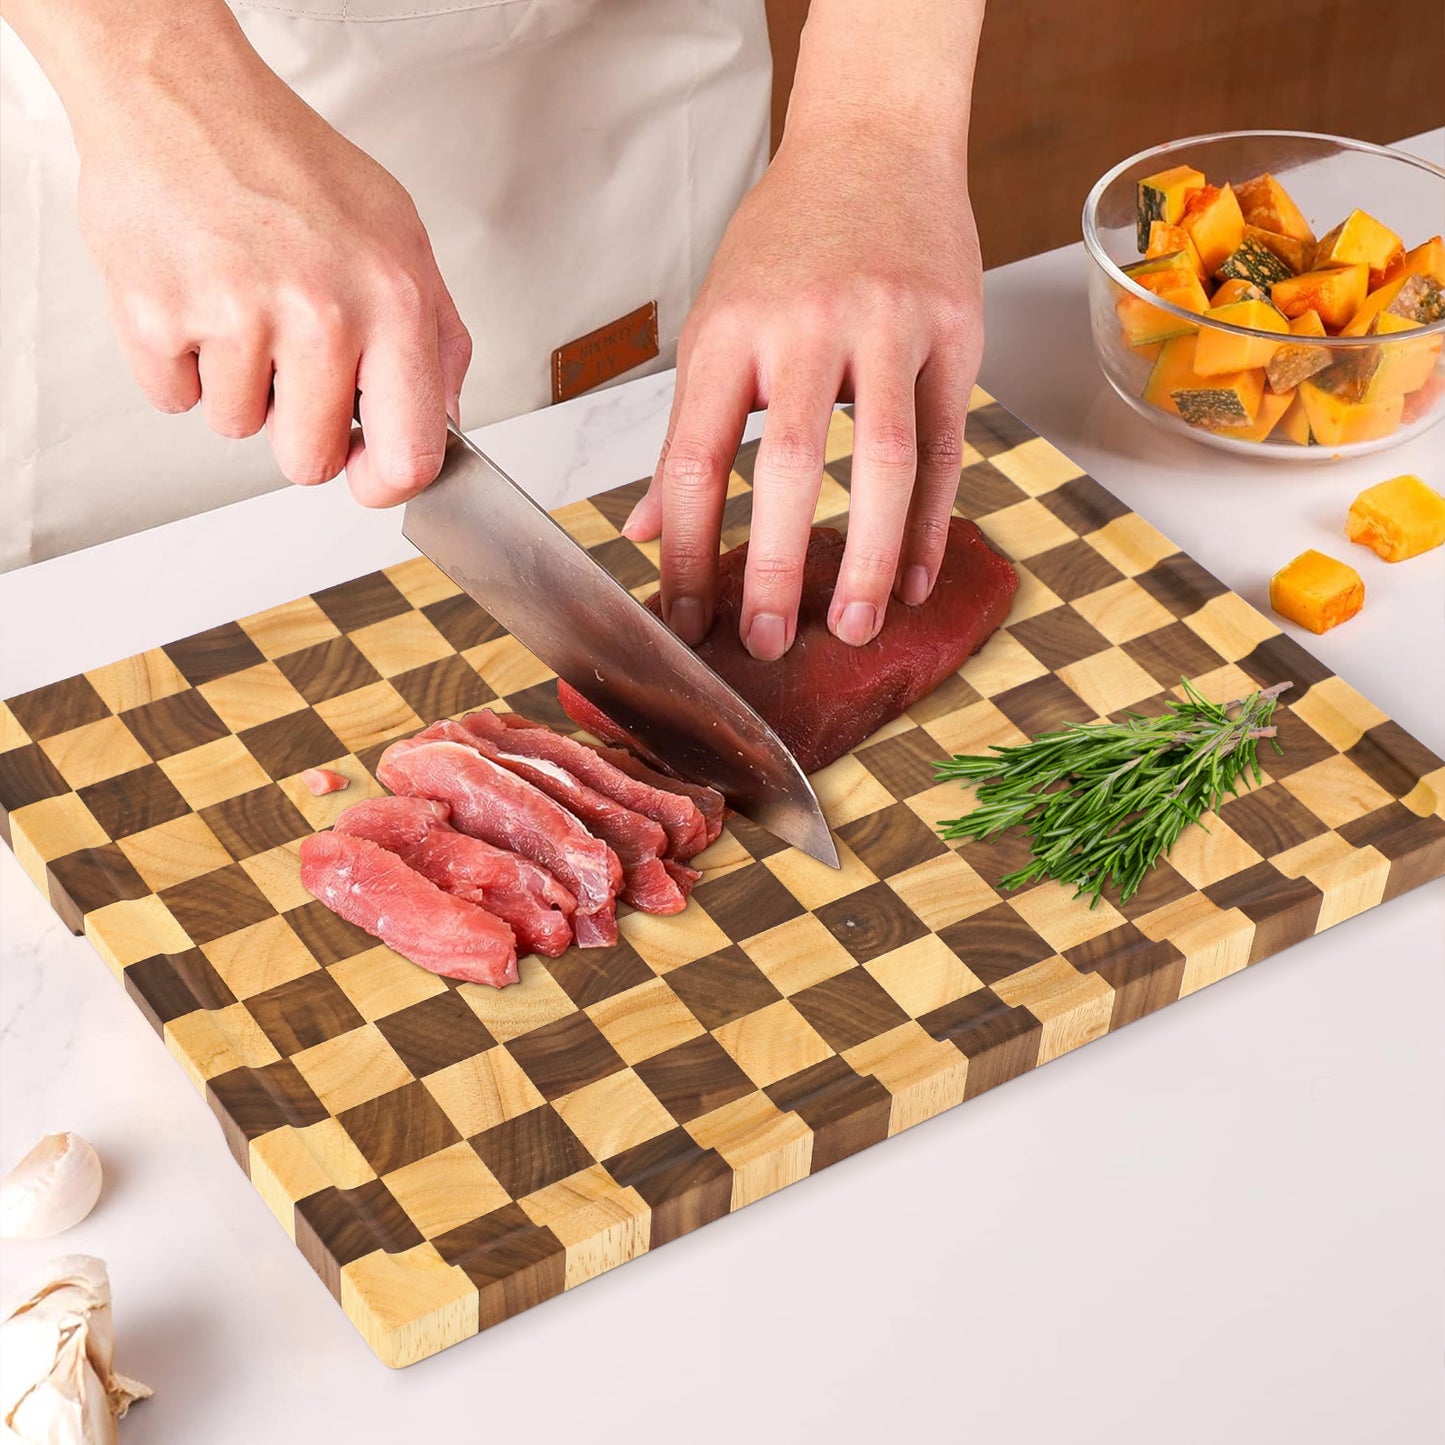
{"x": 261, "y": 264}
{"x": 851, "y": 270}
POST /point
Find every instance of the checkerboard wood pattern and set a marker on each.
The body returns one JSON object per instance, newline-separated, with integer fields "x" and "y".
{"x": 445, "y": 1155}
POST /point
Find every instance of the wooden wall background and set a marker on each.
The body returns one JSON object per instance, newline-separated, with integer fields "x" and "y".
{"x": 1066, "y": 88}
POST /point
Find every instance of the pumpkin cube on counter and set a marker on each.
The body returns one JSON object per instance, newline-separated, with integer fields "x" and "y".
{"x": 1316, "y": 591}
{"x": 1398, "y": 519}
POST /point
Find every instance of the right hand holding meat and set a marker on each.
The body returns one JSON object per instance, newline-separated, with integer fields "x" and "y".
{"x": 261, "y": 264}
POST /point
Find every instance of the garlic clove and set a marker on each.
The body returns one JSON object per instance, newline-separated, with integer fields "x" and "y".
{"x": 52, "y": 1188}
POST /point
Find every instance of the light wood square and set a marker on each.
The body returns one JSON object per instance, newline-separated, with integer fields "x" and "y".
{"x": 813, "y": 883}
{"x": 943, "y": 802}
{"x": 124, "y": 933}
{"x": 282, "y": 1170}
{"x": 277, "y": 873}
{"x": 214, "y": 772}
{"x": 1224, "y": 684}
{"x": 924, "y": 1076}
{"x": 1337, "y": 791}
{"x": 1108, "y": 681}
{"x": 832, "y": 500}
{"x": 1032, "y": 596}
{"x": 291, "y": 627}
{"x": 1305, "y": 859}
{"x": 668, "y": 943}
{"x": 923, "y": 975}
{"x": 12, "y": 735}
{"x": 942, "y": 890}
{"x": 1026, "y": 529}
{"x": 446, "y": 1189}
{"x": 95, "y": 751}
{"x": 1336, "y": 712}
{"x": 767, "y": 1148}
{"x": 421, "y": 581}
{"x": 479, "y": 1093}
{"x": 368, "y": 715}
{"x": 772, "y": 1043}
{"x": 175, "y": 852}
{"x": 1427, "y": 797}
{"x": 1213, "y": 948}
{"x": 259, "y": 957}
{"x": 398, "y": 644}
{"x": 1002, "y": 663}
{"x": 380, "y": 982}
{"x": 602, "y": 1223}
{"x": 256, "y": 695}
{"x": 1231, "y": 626}
{"x": 847, "y": 790}
{"x": 585, "y": 524}
{"x": 614, "y": 1114}
{"x": 841, "y": 431}
{"x": 644, "y": 1021}
{"x": 973, "y": 729}
{"x": 1210, "y": 851}
{"x": 147, "y": 677}
{"x": 1123, "y": 612}
{"x": 56, "y": 826}
{"x": 1073, "y": 1007}
{"x": 410, "y": 1304}
{"x": 1174, "y": 918}
{"x": 1037, "y": 467}
{"x": 1131, "y": 544}
{"x": 210, "y": 1043}
{"x": 535, "y": 1000}
{"x": 799, "y": 953}
{"x": 351, "y": 1068}
{"x": 322, "y": 812}
{"x": 341, "y": 1163}
{"x": 1062, "y": 920}
{"x": 1350, "y": 885}
{"x": 506, "y": 666}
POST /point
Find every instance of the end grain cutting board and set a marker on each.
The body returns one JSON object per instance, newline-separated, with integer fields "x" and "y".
{"x": 446, "y": 1156}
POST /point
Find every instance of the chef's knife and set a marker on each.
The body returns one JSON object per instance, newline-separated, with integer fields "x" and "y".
{"x": 501, "y": 548}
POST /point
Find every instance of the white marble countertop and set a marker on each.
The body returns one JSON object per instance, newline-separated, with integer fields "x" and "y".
{"x": 1220, "y": 1225}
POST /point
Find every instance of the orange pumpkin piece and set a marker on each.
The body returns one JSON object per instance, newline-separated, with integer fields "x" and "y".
{"x": 1427, "y": 259}
{"x": 1374, "y": 303}
{"x": 1336, "y": 421}
{"x": 1317, "y": 591}
{"x": 1294, "y": 425}
{"x": 1272, "y": 408}
{"x": 1238, "y": 289}
{"x": 1397, "y": 519}
{"x": 1222, "y": 351}
{"x": 1336, "y": 293}
{"x": 1294, "y": 252}
{"x": 1144, "y": 324}
{"x": 1360, "y": 237}
{"x": 1215, "y": 224}
{"x": 1291, "y": 365}
{"x": 1170, "y": 240}
{"x": 1405, "y": 365}
{"x": 1420, "y": 401}
{"x": 1173, "y": 367}
{"x": 1267, "y": 205}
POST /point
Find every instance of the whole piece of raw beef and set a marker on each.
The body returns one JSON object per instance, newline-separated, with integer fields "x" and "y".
{"x": 824, "y": 697}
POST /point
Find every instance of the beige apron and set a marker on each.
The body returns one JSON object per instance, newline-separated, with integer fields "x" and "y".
{"x": 573, "y": 160}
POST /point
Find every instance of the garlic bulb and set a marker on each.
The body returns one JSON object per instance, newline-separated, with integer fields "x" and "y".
{"x": 53, "y": 1187}
{"x": 58, "y": 1385}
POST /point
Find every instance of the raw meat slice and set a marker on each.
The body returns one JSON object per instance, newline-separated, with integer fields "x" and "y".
{"x": 377, "y": 891}
{"x": 824, "y": 697}
{"x": 500, "y": 808}
{"x": 320, "y": 781}
{"x": 685, "y": 877}
{"x": 679, "y": 815}
{"x": 711, "y": 803}
{"x": 520, "y": 892}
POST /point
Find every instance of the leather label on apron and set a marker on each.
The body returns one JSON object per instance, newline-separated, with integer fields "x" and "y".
{"x": 605, "y": 353}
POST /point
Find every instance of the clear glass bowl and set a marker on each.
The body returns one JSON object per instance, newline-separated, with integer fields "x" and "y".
{"x": 1328, "y": 177}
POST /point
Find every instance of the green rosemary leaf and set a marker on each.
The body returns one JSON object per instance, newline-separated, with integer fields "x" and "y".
{"x": 1103, "y": 802}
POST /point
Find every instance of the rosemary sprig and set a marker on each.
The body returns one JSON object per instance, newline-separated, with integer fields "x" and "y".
{"x": 1104, "y": 801}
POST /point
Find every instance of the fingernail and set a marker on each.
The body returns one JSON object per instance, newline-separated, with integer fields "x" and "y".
{"x": 857, "y": 624}
{"x": 915, "y": 586}
{"x": 685, "y": 619}
{"x": 768, "y": 637}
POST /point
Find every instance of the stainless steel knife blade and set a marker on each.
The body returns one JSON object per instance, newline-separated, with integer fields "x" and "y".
{"x": 500, "y": 547}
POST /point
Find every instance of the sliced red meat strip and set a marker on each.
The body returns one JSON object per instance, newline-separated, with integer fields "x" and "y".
{"x": 679, "y": 815}
{"x": 520, "y": 892}
{"x": 824, "y": 697}
{"x": 495, "y": 805}
{"x": 377, "y": 891}
{"x": 685, "y": 877}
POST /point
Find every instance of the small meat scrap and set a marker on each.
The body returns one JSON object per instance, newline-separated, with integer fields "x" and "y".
{"x": 520, "y": 892}
{"x": 824, "y": 697}
{"x": 320, "y": 781}
{"x": 379, "y": 892}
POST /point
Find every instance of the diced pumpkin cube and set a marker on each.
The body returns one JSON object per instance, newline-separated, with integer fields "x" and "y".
{"x": 1173, "y": 367}
{"x": 1294, "y": 425}
{"x": 1170, "y": 240}
{"x": 1253, "y": 261}
{"x": 1220, "y": 402}
{"x": 1144, "y": 323}
{"x": 1419, "y": 299}
{"x": 1375, "y": 302}
{"x": 1360, "y": 237}
{"x": 1335, "y": 421}
{"x": 1161, "y": 197}
{"x": 1316, "y": 591}
{"x": 1291, "y": 365}
{"x": 1271, "y": 410}
{"x": 1427, "y": 259}
{"x": 1228, "y": 292}
{"x": 1221, "y": 351}
{"x": 1159, "y": 273}
{"x": 1397, "y": 519}
{"x": 1405, "y": 364}
{"x": 1266, "y": 204}
{"x": 1336, "y": 293}
{"x": 1215, "y": 224}
{"x": 1294, "y": 252}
